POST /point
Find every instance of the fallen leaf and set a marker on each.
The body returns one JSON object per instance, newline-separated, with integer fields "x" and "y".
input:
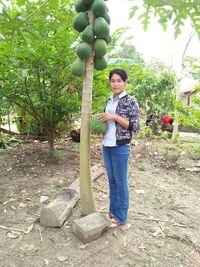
{"x": 12, "y": 235}
{"x": 29, "y": 229}
{"x": 30, "y": 247}
{"x": 12, "y": 207}
{"x": 22, "y": 205}
{"x": 83, "y": 246}
{"x": 142, "y": 247}
{"x": 46, "y": 261}
{"x": 125, "y": 241}
{"x": 30, "y": 219}
{"x": 11, "y": 199}
{"x": 62, "y": 258}
{"x": 115, "y": 234}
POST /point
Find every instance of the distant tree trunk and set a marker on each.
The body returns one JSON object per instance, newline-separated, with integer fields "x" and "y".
{"x": 176, "y": 124}
{"x": 178, "y": 89}
{"x": 8, "y": 114}
{"x": 86, "y": 192}
{"x": 50, "y": 139}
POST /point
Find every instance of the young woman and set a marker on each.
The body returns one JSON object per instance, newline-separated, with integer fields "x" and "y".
{"x": 122, "y": 117}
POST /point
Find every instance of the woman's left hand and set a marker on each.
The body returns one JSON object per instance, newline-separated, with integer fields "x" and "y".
{"x": 106, "y": 116}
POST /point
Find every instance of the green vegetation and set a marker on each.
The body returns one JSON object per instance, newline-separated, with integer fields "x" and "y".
{"x": 35, "y": 79}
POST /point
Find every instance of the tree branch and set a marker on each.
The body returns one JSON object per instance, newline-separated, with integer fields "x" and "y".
{"x": 12, "y": 99}
{"x": 30, "y": 101}
{"x": 34, "y": 12}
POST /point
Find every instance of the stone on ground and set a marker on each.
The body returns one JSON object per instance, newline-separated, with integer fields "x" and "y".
{"x": 57, "y": 211}
{"x": 90, "y": 227}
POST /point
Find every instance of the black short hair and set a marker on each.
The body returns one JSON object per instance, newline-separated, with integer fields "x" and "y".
{"x": 121, "y": 72}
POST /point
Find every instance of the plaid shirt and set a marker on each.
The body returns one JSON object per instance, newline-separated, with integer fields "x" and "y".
{"x": 128, "y": 109}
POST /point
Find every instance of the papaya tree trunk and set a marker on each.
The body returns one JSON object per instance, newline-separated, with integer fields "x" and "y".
{"x": 86, "y": 191}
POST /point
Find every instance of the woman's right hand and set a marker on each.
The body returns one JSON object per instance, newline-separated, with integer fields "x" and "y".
{"x": 103, "y": 117}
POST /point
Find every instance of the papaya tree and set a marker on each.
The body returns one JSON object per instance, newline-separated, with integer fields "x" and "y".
{"x": 177, "y": 12}
{"x": 92, "y": 21}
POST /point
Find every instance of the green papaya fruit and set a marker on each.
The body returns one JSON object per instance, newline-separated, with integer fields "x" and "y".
{"x": 100, "y": 47}
{"x": 80, "y": 21}
{"x": 101, "y": 28}
{"x": 88, "y": 2}
{"x": 99, "y": 8}
{"x": 100, "y": 63}
{"x": 106, "y": 16}
{"x": 97, "y": 126}
{"x": 78, "y": 68}
{"x": 108, "y": 39}
{"x": 88, "y": 34}
{"x": 80, "y": 6}
{"x": 84, "y": 50}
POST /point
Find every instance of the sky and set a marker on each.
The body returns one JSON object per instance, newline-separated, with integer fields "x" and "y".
{"x": 154, "y": 43}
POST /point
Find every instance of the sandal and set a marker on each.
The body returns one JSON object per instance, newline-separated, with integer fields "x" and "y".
{"x": 115, "y": 224}
{"x": 110, "y": 215}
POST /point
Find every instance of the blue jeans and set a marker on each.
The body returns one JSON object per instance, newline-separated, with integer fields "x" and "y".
{"x": 116, "y": 162}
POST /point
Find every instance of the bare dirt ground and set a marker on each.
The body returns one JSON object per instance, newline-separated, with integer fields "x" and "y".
{"x": 163, "y": 228}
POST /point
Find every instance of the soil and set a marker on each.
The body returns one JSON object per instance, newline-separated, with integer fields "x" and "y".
{"x": 163, "y": 227}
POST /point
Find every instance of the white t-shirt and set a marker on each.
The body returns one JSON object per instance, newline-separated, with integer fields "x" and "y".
{"x": 110, "y": 135}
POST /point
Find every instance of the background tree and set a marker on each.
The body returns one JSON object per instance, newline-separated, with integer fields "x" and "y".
{"x": 189, "y": 116}
{"x": 35, "y": 73}
{"x": 177, "y": 12}
{"x": 153, "y": 86}
{"x": 127, "y": 50}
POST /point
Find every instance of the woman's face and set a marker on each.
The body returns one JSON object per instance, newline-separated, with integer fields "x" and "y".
{"x": 117, "y": 84}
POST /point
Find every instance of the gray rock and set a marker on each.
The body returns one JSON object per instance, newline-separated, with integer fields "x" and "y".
{"x": 57, "y": 211}
{"x": 90, "y": 227}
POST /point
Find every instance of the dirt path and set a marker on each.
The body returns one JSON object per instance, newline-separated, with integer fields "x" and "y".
{"x": 163, "y": 228}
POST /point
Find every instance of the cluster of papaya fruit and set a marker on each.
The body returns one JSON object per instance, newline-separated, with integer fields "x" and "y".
{"x": 94, "y": 34}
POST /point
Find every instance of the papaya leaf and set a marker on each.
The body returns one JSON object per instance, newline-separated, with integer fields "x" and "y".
{"x": 21, "y": 2}
{"x": 178, "y": 11}
{"x": 133, "y": 11}
{"x": 145, "y": 18}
